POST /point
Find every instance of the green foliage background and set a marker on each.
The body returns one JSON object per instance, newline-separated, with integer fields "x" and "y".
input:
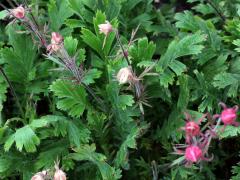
{"x": 197, "y": 65}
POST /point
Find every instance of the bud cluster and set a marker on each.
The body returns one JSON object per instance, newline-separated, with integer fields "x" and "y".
{"x": 197, "y": 139}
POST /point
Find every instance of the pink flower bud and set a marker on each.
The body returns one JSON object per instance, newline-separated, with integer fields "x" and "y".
{"x": 125, "y": 53}
{"x": 59, "y": 175}
{"x": 18, "y": 12}
{"x": 105, "y": 28}
{"x": 192, "y": 128}
{"x": 53, "y": 48}
{"x": 124, "y": 75}
{"x": 229, "y": 116}
{"x": 193, "y": 153}
{"x": 56, "y": 38}
{"x": 56, "y": 41}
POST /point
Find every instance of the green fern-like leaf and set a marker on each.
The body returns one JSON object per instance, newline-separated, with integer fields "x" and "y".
{"x": 237, "y": 43}
{"x": 3, "y": 91}
{"x": 92, "y": 40}
{"x": 121, "y": 109}
{"x": 229, "y": 131}
{"x": 143, "y": 51}
{"x": 95, "y": 41}
{"x": 4, "y": 164}
{"x": 125, "y": 100}
{"x": 77, "y": 133}
{"x": 71, "y": 45}
{"x": 90, "y": 76}
{"x": 58, "y": 13}
{"x": 236, "y": 172}
{"x": 189, "y": 45}
{"x": 225, "y": 79}
{"x": 87, "y": 153}
{"x": 19, "y": 59}
{"x": 186, "y": 21}
{"x": 184, "y": 93}
{"x": 130, "y": 142}
{"x": 3, "y": 14}
{"x": 51, "y": 151}
{"x": 24, "y": 137}
{"x": 72, "y": 97}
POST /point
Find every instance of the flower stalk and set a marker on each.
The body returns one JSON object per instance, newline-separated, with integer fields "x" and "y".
{"x": 12, "y": 91}
{"x": 220, "y": 14}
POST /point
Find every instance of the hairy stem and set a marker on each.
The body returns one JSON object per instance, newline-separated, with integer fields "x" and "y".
{"x": 12, "y": 91}
{"x": 10, "y": 3}
{"x": 31, "y": 14}
{"x": 217, "y": 10}
{"x": 120, "y": 44}
{"x": 211, "y": 136}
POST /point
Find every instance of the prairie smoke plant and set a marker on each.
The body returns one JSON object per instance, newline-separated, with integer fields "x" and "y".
{"x": 56, "y": 50}
{"x": 56, "y": 44}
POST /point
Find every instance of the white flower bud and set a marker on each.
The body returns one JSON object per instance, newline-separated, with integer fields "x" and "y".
{"x": 59, "y": 175}
{"x": 105, "y": 28}
{"x": 37, "y": 177}
{"x": 124, "y": 75}
{"x": 40, "y": 175}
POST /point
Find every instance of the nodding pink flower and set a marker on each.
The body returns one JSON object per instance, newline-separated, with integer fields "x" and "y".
{"x": 192, "y": 128}
{"x": 18, "y": 12}
{"x": 105, "y": 28}
{"x": 56, "y": 38}
{"x": 228, "y": 115}
{"x": 193, "y": 153}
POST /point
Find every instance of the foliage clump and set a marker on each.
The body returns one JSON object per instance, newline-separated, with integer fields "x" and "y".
{"x": 98, "y": 89}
